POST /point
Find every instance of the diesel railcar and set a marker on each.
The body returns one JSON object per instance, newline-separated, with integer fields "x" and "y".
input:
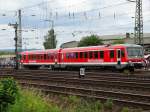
{"x": 122, "y": 56}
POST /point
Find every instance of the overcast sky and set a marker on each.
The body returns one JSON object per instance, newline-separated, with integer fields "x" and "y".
{"x": 73, "y": 19}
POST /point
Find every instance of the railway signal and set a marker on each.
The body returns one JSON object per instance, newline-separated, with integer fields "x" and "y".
{"x": 82, "y": 72}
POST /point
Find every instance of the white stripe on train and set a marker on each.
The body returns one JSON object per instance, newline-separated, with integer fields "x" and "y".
{"x": 104, "y": 63}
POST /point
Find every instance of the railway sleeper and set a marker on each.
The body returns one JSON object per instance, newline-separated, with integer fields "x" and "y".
{"x": 134, "y": 97}
{"x": 91, "y": 83}
{"x": 116, "y": 100}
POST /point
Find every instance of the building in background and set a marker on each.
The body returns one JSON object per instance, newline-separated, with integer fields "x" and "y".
{"x": 69, "y": 44}
{"x": 108, "y": 39}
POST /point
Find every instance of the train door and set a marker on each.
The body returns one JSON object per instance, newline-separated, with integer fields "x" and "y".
{"x": 55, "y": 58}
{"x": 119, "y": 57}
{"x": 60, "y": 56}
{"x": 59, "y": 59}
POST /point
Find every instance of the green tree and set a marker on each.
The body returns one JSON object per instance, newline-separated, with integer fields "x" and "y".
{"x": 92, "y": 40}
{"x": 50, "y": 40}
{"x": 119, "y": 41}
{"x": 6, "y": 53}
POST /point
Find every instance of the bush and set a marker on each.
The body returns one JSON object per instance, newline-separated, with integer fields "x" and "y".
{"x": 8, "y": 93}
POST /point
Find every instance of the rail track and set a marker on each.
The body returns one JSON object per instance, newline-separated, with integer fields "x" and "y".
{"x": 130, "y": 90}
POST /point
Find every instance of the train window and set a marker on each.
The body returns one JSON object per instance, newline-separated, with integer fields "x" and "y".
{"x": 90, "y": 54}
{"x": 34, "y": 57}
{"x": 49, "y": 56}
{"x": 24, "y": 57}
{"x": 122, "y": 54}
{"x": 45, "y": 57}
{"x": 29, "y": 56}
{"x": 52, "y": 56}
{"x": 39, "y": 56}
{"x": 101, "y": 54}
{"x": 72, "y": 55}
{"x": 67, "y": 55}
{"x": 96, "y": 54}
{"x": 81, "y": 54}
{"x": 85, "y": 54}
{"x": 42, "y": 56}
{"x": 111, "y": 54}
{"x": 76, "y": 55}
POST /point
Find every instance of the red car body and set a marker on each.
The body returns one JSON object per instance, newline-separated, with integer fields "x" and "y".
{"x": 98, "y": 56}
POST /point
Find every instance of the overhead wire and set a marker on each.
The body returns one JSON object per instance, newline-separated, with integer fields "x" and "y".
{"x": 85, "y": 12}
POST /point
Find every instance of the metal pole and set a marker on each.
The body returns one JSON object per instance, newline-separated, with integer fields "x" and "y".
{"x": 138, "y": 29}
{"x": 16, "y": 41}
{"x": 19, "y": 32}
{"x": 16, "y": 45}
{"x": 52, "y": 24}
{"x": 138, "y": 23}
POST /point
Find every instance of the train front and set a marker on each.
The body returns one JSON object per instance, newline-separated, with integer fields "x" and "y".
{"x": 135, "y": 54}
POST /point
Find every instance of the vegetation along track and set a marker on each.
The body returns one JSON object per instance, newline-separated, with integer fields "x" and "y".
{"x": 130, "y": 90}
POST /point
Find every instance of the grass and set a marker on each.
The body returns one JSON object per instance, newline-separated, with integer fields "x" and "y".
{"x": 32, "y": 101}
{"x": 35, "y": 101}
{"x": 76, "y": 104}
{"x": 125, "y": 109}
{"x": 14, "y": 99}
{"x": 89, "y": 106}
{"x": 108, "y": 104}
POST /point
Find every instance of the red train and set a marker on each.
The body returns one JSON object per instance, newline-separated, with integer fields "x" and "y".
{"x": 123, "y": 56}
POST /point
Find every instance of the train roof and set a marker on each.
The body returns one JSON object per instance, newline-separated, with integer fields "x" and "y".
{"x": 81, "y": 48}
{"x": 128, "y": 45}
{"x": 40, "y": 51}
{"x": 100, "y": 47}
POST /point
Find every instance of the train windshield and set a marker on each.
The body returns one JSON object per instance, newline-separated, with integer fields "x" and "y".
{"x": 135, "y": 52}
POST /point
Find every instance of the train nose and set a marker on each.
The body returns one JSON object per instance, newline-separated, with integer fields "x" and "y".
{"x": 137, "y": 63}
